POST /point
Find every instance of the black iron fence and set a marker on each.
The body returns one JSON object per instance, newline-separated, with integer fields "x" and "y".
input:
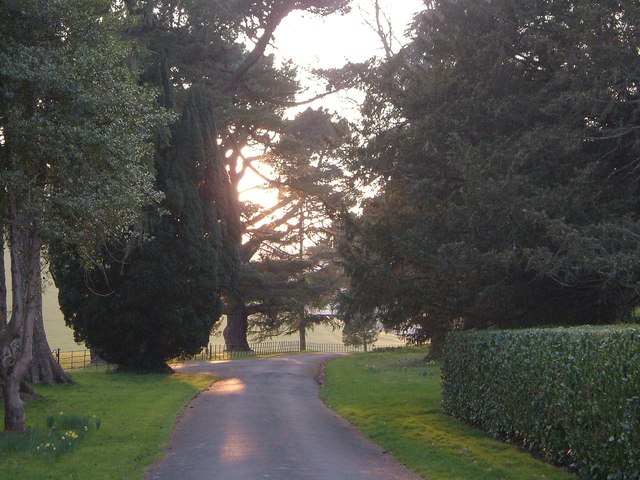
{"x": 81, "y": 359}
{"x": 221, "y": 352}
{"x": 76, "y": 359}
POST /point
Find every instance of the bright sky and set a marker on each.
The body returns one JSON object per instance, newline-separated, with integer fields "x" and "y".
{"x": 335, "y": 39}
{"x": 312, "y": 42}
{"x": 324, "y": 42}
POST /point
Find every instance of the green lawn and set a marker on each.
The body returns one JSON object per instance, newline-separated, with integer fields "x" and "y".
{"x": 136, "y": 412}
{"x": 394, "y": 398}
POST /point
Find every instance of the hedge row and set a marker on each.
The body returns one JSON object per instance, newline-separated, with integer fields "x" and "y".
{"x": 570, "y": 395}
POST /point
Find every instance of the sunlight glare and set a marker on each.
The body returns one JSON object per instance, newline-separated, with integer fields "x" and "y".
{"x": 229, "y": 386}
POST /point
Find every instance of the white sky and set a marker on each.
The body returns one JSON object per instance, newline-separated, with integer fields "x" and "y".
{"x": 311, "y": 42}
{"x": 332, "y": 40}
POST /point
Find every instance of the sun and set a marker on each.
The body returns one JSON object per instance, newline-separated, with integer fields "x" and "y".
{"x": 255, "y": 189}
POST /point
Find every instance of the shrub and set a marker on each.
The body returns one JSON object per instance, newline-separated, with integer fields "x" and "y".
{"x": 571, "y": 395}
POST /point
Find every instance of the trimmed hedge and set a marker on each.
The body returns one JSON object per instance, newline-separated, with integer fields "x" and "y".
{"x": 570, "y": 395}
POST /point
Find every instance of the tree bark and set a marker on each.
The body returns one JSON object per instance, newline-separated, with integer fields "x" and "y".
{"x": 14, "y": 419}
{"x": 3, "y": 285}
{"x": 235, "y": 333}
{"x": 44, "y": 367}
{"x": 302, "y": 331}
{"x": 16, "y": 337}
{"x": 438, "y": 341}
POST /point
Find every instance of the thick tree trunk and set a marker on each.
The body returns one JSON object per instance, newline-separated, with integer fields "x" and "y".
{"x": 16, "y": 337}
{"x": 3, "y": 285}
{"x": 44, "y": 367}
{"x": 14, "y": 419}
{"x": 235, "y": 333}
{"x": 438, "y": 341}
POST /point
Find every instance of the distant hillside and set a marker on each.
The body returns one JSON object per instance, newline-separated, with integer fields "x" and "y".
{"x": 59, "y": 335}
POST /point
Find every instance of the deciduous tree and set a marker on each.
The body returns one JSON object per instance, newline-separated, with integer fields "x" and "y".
{"x": 74, "y": 152}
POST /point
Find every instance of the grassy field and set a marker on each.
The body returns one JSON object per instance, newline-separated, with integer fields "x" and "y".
{"x": 60, "y": 336}
{"x": 394, "y": 398}
{"x": 136, "y": 412}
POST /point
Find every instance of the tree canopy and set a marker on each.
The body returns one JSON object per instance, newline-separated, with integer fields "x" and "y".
{"x": 159, "y": 297}
{"x": 297, "y": 255}
{"x": 75, "y": 145}
{"x": 502, "y": 143}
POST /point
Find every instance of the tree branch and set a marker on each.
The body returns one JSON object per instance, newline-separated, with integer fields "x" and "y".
{"x": 273, "y": 20}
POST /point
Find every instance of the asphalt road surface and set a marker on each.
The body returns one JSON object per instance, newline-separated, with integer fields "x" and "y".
{"x": 264, "y": 420}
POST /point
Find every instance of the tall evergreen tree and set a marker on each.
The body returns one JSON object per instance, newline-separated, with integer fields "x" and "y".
{"x": 504, "y": 140}
{"x": 298, "y": 249}
{"x": 160, "y": 299}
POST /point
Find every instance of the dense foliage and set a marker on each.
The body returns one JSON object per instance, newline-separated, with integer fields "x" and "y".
{"x": 570, "y": 395}
{"x": 361, "y": 330}
{"x": 502, "y": 146}
{"x": 75, "y": 151}
{"x": 154, "y": 293}
{"x": 160, "y": 299}
{"x": 75, "y": 127}
{"x": 163, "y": 292}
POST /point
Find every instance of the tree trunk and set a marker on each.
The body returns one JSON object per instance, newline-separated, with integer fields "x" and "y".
{"x": 302, "y": 330}
{"x": 438, "y": 341}
{"x": 96, "y": 359}
{"x": 16, "y": 337}
{"x": 14, "y": 419}
{"x": 235, "y": 333}
{"x": 44, "y": 367}
{"x": 3, "y": 285}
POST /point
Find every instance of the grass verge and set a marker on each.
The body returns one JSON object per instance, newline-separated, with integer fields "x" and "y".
{"x": 394, "y": 398}
{"x": 137, "y": 414}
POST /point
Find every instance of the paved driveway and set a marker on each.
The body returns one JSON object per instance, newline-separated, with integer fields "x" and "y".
{"x": 264, "y": 420}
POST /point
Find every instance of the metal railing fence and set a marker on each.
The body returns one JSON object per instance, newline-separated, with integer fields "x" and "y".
{"x": 81, "y": 359}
